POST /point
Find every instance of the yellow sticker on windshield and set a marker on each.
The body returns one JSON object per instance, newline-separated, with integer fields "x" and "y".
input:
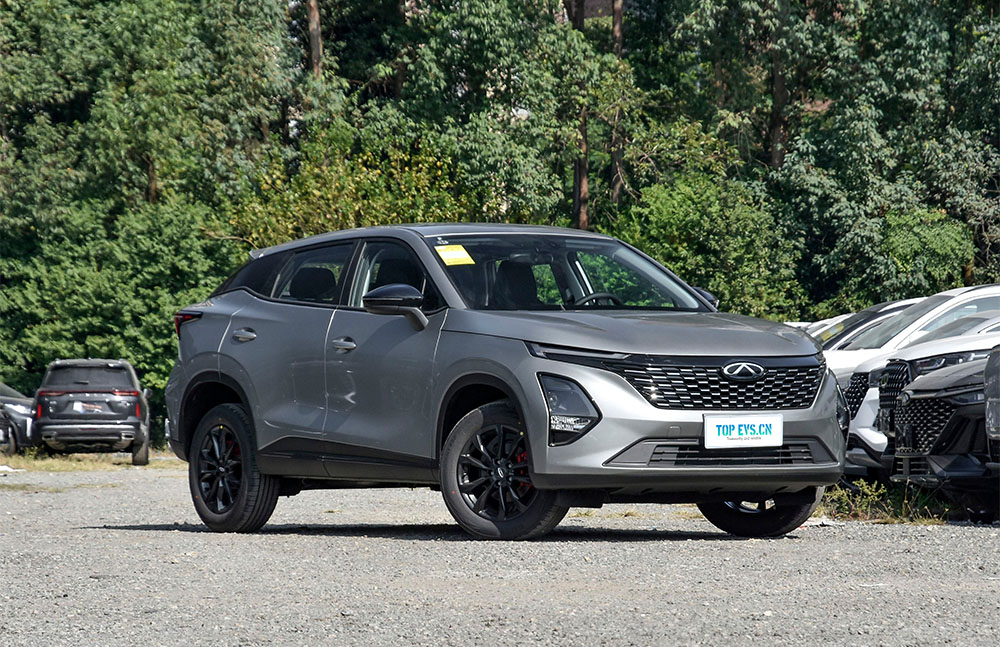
{"x": 454, "y": 255}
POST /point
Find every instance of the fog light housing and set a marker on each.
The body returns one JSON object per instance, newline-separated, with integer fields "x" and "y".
{"x": 571, "y": 411}
{"x": 843, "y": 412}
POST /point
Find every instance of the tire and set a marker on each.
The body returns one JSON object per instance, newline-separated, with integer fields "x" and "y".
{"x": 237, "y": 498}
{"x": 9, "y": 446}
{"x": 485, "y": 479}
{"x": 758, "y": 519}
{"x": 140, "y": 451}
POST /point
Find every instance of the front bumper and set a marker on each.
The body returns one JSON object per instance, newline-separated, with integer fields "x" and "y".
{"x": 617, "y": 455}
{"x": 866, "y": 445}
{"x": 95, "y": 437}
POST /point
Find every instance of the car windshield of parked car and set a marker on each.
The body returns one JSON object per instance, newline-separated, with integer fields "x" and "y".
{"x": 878, "y": 336}
{"x": 557, "y": 272}
{"x": 962, "y": 326}
{"x": 98, "y": 376}
{"x": 7, "y": 392}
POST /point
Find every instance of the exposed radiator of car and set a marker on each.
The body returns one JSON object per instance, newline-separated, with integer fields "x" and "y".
{"x": 919, "y": 424}
{"x": 855, "y": 393}
{"x": 667, "y": 384}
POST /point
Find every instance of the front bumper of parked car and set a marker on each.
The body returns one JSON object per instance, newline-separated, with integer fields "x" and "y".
{"x": 640, "y": 450}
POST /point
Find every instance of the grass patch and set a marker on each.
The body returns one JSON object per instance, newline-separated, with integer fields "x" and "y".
{"x": 27, "y": 487}
{"x": 35, "y": 459}
{"x": 862, "y": 500}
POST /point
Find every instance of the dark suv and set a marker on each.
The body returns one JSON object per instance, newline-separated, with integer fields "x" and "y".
{"x": 93, "y": 405}
{"x": 520, "y": 370}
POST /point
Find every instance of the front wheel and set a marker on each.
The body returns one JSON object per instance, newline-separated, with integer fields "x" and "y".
{"x": 140, "y": 451}
{"x": 229, "y": 492}
{"x": 8, "y": 446}
{"x": 485, "y": 479}
{"x": 759, "y": 518}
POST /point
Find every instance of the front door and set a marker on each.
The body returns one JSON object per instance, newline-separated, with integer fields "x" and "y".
{"x": 380, "y": 373}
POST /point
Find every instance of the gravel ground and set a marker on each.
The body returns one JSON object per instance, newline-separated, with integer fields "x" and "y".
{"x": 120, "y": 558}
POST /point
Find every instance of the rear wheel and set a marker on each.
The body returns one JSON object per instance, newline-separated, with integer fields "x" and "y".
{"x": 8, "y": 447}
{"x": 229, "y": 492}
{"x": 485, "y": 479}
{"x": 759, "y": 518}
{"x": 140, "y": 452}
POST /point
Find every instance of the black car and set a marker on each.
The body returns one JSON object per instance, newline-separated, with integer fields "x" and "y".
{"x": 17, "y": 410}
{"x": 940, "y": 439}
{"x": 845, "y": 330}
{"x": 93, "y": 405}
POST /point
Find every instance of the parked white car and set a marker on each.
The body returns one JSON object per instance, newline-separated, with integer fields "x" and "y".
{"x": 866, "y": 442}
{"x": 911, "y": 325}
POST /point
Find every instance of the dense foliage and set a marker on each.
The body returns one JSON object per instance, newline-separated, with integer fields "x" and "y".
{"x": 796, "y": 157}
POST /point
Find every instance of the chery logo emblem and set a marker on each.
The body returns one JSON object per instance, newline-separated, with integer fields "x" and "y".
{"x": 743, "y": 371}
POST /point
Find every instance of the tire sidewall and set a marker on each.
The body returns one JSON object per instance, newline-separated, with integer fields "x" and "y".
{"x": 227, "y": 416}
{"x": 525, "y": 525}
{"x": 775, "y": 522}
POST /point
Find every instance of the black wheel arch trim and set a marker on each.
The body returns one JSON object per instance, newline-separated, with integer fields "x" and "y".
{"x": 472, "y": 379}
{"x": 209, "y": 376}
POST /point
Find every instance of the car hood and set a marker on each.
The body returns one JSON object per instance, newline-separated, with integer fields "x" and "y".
{"x": 953, "y": 377}
{"x": 652, "y": 333}
{"x": 845, "y": 362}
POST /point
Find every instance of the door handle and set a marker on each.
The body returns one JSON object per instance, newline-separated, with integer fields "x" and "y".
{"x": 343, "y": 344}
{"x": 244, "y": 334}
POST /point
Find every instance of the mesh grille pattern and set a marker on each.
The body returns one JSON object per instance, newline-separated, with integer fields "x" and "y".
{"x": 995, "y": 449}
{"x": 895, "y": 376}
{"x": 671, "y": 386}
{"x": 919, "y": 424}
{"x": 855, "y": 393}
{"x": 693, "y": 455}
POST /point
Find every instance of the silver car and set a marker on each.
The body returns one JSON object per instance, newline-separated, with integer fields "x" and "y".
{"x": 520, "y": 370}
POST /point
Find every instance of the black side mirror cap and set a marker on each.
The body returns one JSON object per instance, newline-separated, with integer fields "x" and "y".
{"x": 147, "y": 393}
{"x": 708, "y": 296}
{"x": 397, "y": 299}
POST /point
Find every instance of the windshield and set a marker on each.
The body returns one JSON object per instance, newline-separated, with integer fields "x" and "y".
{"x": 553, "y": 272}
{"x": 103, "y": 376}
{"x": 958, "y": 327}
{"x": 878, "y": 336}
{"x": 7, "y": 392}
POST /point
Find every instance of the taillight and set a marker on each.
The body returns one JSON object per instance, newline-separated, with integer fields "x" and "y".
{"x": 137, "y": 415}
{"x": 182, "y": 318}
{"x": 134, "y": 394}
{"x": 50, "y": 394}
{"x": 39, "y": 411}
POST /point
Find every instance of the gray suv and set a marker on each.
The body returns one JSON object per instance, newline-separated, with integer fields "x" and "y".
{"x": 520, "y": 370}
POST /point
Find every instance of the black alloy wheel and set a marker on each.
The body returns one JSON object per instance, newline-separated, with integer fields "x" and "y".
{"x": 229, "y": 491}
{"x": 486, "y": 478}
{"x": 493, "y": 474}
{"x": 220, "y": 470}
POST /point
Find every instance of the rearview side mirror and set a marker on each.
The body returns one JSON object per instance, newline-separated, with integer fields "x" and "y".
{"x": 708, "y": 296}
{"x": 147, "y": 393}
{"x": 397, "y": 299}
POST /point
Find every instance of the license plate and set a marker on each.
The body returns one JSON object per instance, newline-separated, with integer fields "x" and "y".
{"x": 747, "y": 430}
{"x": 87, "y": 407}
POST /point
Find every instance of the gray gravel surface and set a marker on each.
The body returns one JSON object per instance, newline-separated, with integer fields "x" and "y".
{"x": 120, "y": 558}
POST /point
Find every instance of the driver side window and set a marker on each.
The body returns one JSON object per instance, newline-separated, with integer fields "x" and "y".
{"x": 384, "y": 263}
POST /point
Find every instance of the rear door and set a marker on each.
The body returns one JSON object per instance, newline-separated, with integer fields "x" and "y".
{"x": 380, "y": 371}
{"x": 278, "y": 342}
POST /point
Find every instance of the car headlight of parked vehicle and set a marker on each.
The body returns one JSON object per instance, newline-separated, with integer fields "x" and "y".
{"x": 571, "y": 412}
{"x": 930, "y": 364}
{"x": 843, "y": 412}
{"x": 973, "y": 396}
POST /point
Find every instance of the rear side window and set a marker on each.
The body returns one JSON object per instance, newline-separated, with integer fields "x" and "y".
{"x": 257, "y": 275}
{"x": 315, "y": 275}
{"x": 102, "y": 376}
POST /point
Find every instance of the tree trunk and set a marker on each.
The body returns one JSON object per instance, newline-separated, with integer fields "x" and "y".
{"x": 315, "y": 38}
{"x": 616, "y": 145}
{"x": 778, "y": 129}
{"x": 581, "y": 168}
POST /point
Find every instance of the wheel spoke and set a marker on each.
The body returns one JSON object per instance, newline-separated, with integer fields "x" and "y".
{"x": 471, "y": 486}
{"x": 468, "y": 460}
{"x": 502, "y": 511}
{"x": 521, "y": 506}
{"x": 482, "y": 448}
{"x": 481, "y": 499}
{"x": 500, "y": 441}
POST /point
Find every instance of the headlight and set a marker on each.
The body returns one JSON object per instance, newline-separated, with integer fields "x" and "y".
{"x": 571, "y": 413}
{"x": 968, "y": 397}
{"x": 930, "y": 364}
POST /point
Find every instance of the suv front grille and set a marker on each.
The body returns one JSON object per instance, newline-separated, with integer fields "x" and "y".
{"x": 916, "y": 466}
{"x": 672, "y": 383}
{"x": 895, "y": 376}
{"x": 919, "y": 424}
{"x": 678, "y": 455}
{"x": 855, "y": 393}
